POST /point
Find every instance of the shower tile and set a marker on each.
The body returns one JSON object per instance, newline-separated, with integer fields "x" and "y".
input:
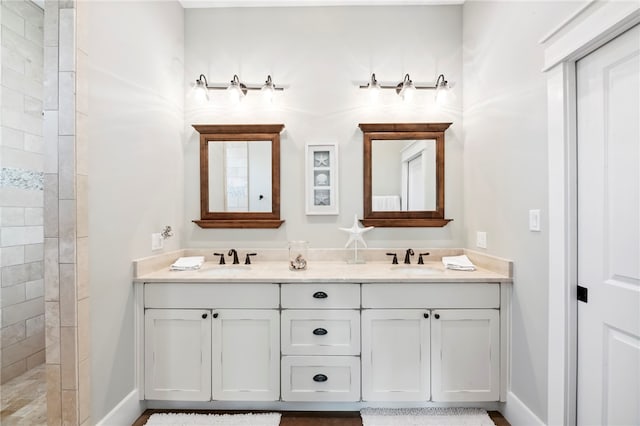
{"x": 68, "y": 363}
{"x": 51, "y": 269}
{"x": 67, "y": 167}
{"x": 67, "y": 40}
{"x": 54, "y": 389}
{"x": 67, "y": 243}
{"x": 52, "y": 335}
{"x": 68, "y": 298}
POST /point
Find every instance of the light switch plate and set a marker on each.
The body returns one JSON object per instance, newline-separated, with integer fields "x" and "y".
{"x": 157, "y": 242}
{"x": 481, "y": 239}
{"x": 534, "y": 220}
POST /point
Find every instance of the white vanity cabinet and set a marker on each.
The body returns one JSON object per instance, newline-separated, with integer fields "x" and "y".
{"x": 178, "y": 354}
{"x": 465, "y": 355}
{"x": 436, "y": 341}
{"x": 320, "y": 342}
{"x": 395, "y": 355}
{"x": 212, "y": 342}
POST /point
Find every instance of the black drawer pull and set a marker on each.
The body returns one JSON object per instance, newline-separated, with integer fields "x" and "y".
{"x": 320, "y": 295}
{"x": 204, "y": 316}
{"x": 215, "y": 315}
{"x": 320, "y": 378}
{"x": 320, "y": 331}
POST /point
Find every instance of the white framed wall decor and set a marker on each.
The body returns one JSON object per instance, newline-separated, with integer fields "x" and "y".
{"x": 321, "y": 178}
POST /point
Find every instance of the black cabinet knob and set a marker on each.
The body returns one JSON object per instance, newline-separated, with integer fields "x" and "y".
{"x": 204, "y": 316}
{"x": 215, "y": 315}
{"x": 426, "y": 315}
{"x": 320, "y": 378}
{"x": 437, "y": 316}
{"x": 320, "y": 331}
{"x": 320, "y": 295}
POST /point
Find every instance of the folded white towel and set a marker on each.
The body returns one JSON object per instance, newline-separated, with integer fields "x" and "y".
{"x": 459, "y": 263}
{"x": 385, "y": 203}
{"x": 190, "y": 263}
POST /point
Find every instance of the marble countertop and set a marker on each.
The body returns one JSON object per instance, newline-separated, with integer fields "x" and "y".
{"x": 277, "y": 271}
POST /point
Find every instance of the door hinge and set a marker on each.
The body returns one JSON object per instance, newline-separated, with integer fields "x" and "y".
{"x": 583, "y": 294}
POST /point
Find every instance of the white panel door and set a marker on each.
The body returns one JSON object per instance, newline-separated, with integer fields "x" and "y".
{"x": 246, "y": 355}
{"x": 177, "y": 354}
{"x": 465, "y": 355}
{"x": 415, "y": 185}
{"x": 395, "y": 355}
{"x": 608, "y": 92}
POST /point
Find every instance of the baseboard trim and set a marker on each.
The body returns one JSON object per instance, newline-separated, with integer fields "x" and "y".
{"x": 126, "y": 412}
{"x": 517, "y": 413}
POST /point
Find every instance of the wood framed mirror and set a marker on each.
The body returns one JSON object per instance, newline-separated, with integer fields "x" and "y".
{"x": 239, "y": 175}
{"x": 404, "y": 174}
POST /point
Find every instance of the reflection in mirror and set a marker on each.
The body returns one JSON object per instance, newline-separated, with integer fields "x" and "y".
{"x": 240, "y": 176}
{"x": 403, "y": 175}
{"x": 403, "y": 171}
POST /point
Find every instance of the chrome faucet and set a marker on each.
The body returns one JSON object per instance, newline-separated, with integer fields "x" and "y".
{"x": 407, "y": 259}
{"x": 235, "y": 256}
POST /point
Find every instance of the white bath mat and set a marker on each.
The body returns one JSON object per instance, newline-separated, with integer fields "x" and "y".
{"x": 425, "y": 417}
{"x": 191, "y": 419}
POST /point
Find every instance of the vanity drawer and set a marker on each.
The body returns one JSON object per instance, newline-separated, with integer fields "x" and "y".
{"x": 207, "y": 296}
{"x": 320, "y": 378}
{"x": 321, "y": 296}
{"x": 320, "y": 332}
{"x": 436, "y": 295}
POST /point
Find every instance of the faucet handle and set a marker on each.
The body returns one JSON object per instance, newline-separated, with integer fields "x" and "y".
{"x": 221, "y": 257}
{"x": 247, "y": 259}
{"x": 420, "y": 261}
{"x": 395, "y": 258}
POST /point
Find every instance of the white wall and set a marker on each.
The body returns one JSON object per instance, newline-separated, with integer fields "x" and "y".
{"x": 136, "y": 164}
{"x": 321, "y": 54}
{"x": 505, "y": 163}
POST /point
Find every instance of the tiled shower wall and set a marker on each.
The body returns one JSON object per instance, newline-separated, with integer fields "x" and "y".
{"x": 21, "y": 188}
{"x": 66, "y": 243}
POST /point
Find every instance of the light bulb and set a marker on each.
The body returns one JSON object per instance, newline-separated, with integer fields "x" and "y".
{"x": 407, "y": 89}
{"x": 235, "y": 90}
{"x": 201, "y": 93}
{"x": 268, "y": 90}
{"x": 235, "y": 94}
{"x": 374, "y": 88}
{"x": 407, "y": 92}
{"x": 443, "y": 89}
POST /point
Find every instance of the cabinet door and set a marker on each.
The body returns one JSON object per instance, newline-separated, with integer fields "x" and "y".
{"x": 177, "y": 354}
{"x": 246, "y": 355}
{"x": 395, "y": 355}
{"x": 465, "y": 355}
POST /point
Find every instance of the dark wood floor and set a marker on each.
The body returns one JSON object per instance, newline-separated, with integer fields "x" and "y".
{"x": 315, "y": 418}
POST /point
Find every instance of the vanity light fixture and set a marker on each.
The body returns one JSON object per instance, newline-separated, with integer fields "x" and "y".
{"x": 442, "y": 90}
{"x": 407, "y": 88}
{"x": 373, "y": 87}
{"x": 236, "y": 88}
{"x": 201, "y": 92}
{"x": 268, "y": 89}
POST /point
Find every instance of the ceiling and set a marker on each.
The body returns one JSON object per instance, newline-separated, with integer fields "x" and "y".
{"x": 188, "y": 4}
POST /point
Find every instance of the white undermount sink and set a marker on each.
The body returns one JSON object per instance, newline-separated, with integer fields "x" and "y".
{"x": 414, "y": 269}
{"x": 224, "y": 270}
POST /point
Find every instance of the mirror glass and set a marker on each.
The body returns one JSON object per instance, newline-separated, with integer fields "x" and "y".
{"x": 239, "y": 176}
{"x": 403, "y": 165}
{"x": 403, "y": 175}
